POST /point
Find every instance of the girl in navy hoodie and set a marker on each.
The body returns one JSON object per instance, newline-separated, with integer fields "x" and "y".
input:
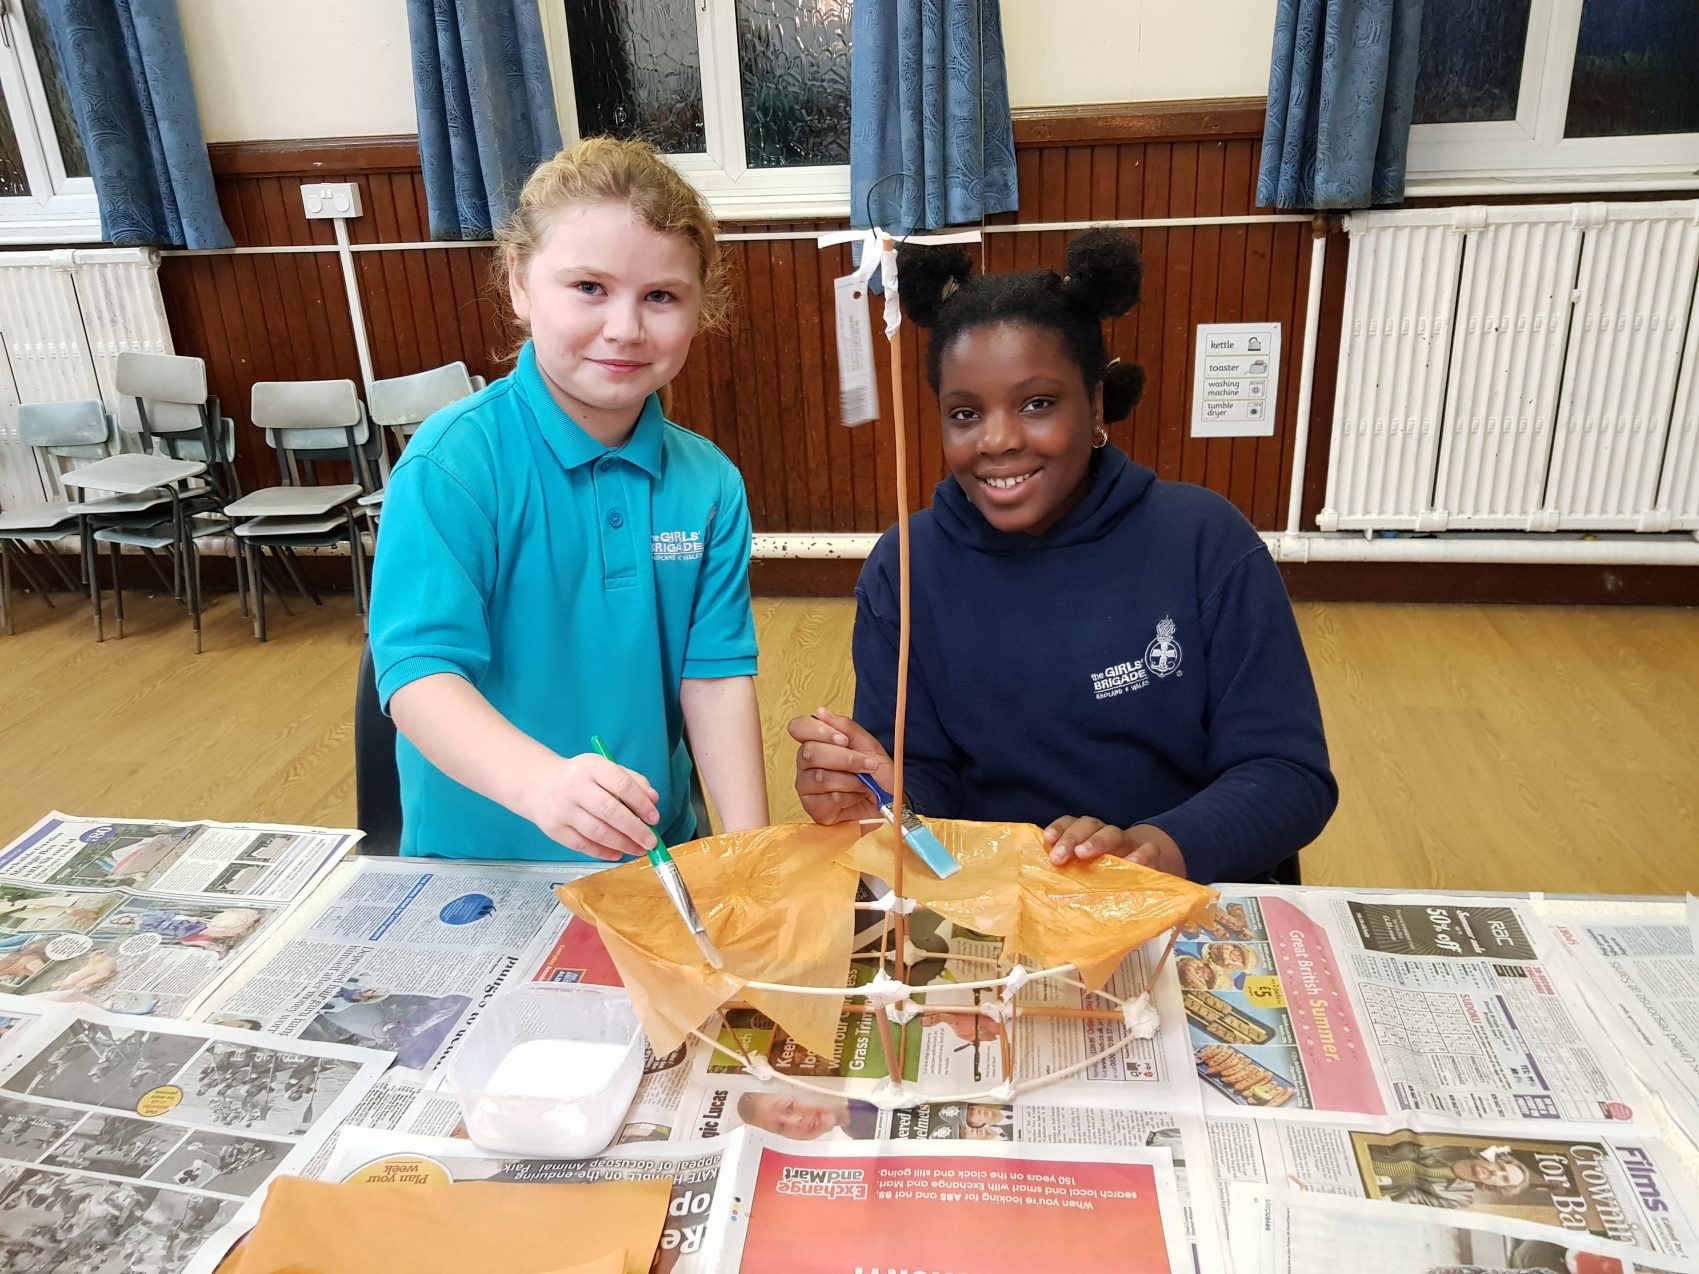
{"x": 1106, "y": 655}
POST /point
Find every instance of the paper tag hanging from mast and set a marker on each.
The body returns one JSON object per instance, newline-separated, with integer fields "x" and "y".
{"x": 857, "y": 382}
{"x": 858, "y": 388}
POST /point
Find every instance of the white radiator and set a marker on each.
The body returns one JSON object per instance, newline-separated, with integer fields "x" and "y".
{"x": 65, "y": 316}
{"x": 1522, "y": 368}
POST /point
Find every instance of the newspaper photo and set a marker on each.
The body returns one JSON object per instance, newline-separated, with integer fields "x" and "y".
{"x": 1610, "y": 1183}
{"x": 1283, "y": 1232}
{"x": 130, "y": 1146}
{"x": 695, "y": 1171}
{"x": 827, "y": 1208}
{"x": 247, "y": 861}
{"x": 147, "y": 918}
{"x": 396, "y": 955}
{"x": 1369, "y": 1004}
{"x": 1644, "y": 972}
{"x": 147, "y": 954}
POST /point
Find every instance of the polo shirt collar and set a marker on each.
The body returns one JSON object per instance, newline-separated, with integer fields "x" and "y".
{"x": 566, "y": 437}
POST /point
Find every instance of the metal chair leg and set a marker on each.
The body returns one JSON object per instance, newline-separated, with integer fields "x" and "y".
{"x": 153, "y": 562}
{"x": 193, "y": 568}
{"x": 33, "y": 581}
{"x": 53, "y": 556}
{"x": 117, "y": 589}
{"x": 256, "y": 567}
{"x": 265, "y": 573}
{"x": 91, "y": 570}
{"x": 240, "y": 559}
{"x": 301, "y": 582}
{"x": 357, "y": 553}
{"x": 6, "y": 586}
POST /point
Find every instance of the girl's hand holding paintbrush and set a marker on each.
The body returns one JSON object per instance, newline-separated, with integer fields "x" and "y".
{"x": 590, "y": 804}
{"x": 832, "y": 751}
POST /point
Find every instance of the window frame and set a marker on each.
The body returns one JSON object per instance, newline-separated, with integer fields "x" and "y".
{"x": 1533, "y": 146}
{"x": 734, "y": 190}
{"x": 58, "y": 209}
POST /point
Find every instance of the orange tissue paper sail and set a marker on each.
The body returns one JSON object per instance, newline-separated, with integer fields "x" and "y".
{"x": 779, "y": 903}
{"x": 1089, "y": 915}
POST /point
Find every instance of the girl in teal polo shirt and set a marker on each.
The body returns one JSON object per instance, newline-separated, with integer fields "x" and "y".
{"x": 559, "y": 560}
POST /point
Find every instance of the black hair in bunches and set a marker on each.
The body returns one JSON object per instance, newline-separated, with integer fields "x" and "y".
{"x": 940, "y": 292}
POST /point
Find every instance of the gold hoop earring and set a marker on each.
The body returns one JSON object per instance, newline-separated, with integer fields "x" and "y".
{"x": 1100, "y": 438}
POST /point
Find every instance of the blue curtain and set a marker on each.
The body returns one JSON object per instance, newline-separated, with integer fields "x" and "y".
{"x": 929, "y": 97}
{"x": 128, "y": 78}
{"x": 1340, "y": 92}
{"x": 485, "y": 95}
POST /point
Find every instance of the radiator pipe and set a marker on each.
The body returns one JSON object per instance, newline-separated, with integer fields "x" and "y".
{"x": 1307, "y": 373}
{"x": 1679, "y": 548}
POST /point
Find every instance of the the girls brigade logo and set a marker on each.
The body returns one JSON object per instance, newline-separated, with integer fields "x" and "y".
{"x": 1162, "y": 656}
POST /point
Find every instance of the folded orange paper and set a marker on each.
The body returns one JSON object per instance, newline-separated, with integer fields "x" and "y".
{"x": 316, "y": 1227}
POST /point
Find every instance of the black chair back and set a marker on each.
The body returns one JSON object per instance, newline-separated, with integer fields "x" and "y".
{"x": 377, "y": 783}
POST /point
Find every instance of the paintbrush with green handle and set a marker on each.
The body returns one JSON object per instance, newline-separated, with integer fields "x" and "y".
{"x": 661, "y": 859}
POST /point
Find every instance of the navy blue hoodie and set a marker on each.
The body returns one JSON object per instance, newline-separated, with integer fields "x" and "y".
{"x": 1138, "y": 662}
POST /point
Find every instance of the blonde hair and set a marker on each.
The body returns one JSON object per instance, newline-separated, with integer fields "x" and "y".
{"x": 611, "y": 170}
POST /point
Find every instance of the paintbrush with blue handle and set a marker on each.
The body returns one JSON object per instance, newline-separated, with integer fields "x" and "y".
{"x": 919, "y": 837}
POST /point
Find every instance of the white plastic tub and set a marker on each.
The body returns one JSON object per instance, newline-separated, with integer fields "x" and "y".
{"x": 549, "y": 1070}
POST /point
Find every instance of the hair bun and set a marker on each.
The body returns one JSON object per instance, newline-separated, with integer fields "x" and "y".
{"x": 927, "y": 277}
{"x": 1104, "y": 272}
{"x": 1123, "y": 386}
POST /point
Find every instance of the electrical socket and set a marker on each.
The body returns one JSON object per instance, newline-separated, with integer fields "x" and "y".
{"x": 327, "y": 200}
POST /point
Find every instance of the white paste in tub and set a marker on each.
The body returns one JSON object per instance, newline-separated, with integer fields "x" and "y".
{"x": 562, "y": 1070}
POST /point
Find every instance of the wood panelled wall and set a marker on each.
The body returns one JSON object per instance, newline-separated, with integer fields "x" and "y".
{"x": 766, "y": 390}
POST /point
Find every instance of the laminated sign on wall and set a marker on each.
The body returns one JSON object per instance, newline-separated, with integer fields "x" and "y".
{"x": 1235, "y": 380}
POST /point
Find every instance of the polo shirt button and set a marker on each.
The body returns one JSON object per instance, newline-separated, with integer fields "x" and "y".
{"x": 616, "y": 519}
{"x": 607, "y": 463}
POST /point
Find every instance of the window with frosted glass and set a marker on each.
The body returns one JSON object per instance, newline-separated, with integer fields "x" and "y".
{"x": 637, "y": 71}
{"x": 1636, "y": 69}
{"x": 13, "y": 179}
{"x": 793, "y": 71}
{"x": 58, "y": 99}
{"x": 1469, "y": 67}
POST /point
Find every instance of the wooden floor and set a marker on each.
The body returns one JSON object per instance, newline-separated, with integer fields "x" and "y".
{"x": 1476, "y": 747}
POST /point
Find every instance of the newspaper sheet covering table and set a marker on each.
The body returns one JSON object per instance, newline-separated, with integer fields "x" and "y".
{"x": 1011, "y": 1209}
{"x": 148, "y": 917}
{"x": 1286, "y": 1232}
{"x": 1365, "y": 1045}
{"x": 1376, "y": 1003}
{"x": 1642, "y": 963}
{"x": 134, "y": 1146}
{"x": 1612, "y": 1183}
{"x": 397, "y": 954}
{"x": 385, "y": 1159}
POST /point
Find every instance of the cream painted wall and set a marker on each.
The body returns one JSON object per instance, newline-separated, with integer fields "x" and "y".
{"x": 269, "y": 69}
{"x": 1078, "y": 52}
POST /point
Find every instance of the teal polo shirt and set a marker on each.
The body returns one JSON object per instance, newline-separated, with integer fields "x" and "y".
{"x": 575, "y": 586}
